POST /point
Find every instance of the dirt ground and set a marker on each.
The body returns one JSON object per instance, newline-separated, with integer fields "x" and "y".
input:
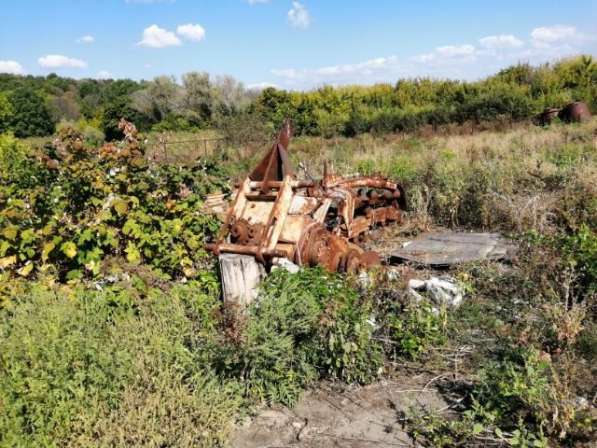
{"x": 363, "y": 417}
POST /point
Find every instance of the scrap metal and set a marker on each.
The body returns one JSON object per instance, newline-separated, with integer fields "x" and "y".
{"x": 310, "y": 222}
{"x": 575, "y": 112}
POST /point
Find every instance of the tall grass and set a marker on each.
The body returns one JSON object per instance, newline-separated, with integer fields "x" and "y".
{"x": 103, "y": 369}
{"x": 524, "y": 178}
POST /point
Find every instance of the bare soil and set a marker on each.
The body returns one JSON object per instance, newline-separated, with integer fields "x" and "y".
{"x": 325, "y": 417}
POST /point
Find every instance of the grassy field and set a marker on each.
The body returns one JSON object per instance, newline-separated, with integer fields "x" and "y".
{"x": 141, "y": 354}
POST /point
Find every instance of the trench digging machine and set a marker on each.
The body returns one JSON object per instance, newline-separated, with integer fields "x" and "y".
{"x": 274, "y": 215}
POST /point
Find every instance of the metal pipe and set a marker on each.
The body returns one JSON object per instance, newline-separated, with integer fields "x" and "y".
{"x": 217, "y": 248}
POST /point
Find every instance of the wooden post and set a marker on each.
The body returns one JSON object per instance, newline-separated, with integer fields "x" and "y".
{"x": 241, "y": 275}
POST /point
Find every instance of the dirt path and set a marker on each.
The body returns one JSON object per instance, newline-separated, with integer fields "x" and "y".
{"x": 360, "y": 417}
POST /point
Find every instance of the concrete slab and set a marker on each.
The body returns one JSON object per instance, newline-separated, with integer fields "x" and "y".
{"x": 449, "y": 248}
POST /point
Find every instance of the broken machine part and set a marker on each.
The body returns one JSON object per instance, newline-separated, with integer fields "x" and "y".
{"x": 309, "y": 222}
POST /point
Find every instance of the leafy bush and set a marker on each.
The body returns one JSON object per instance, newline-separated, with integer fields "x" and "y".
{"x": 515, "y": 388}
{"x": 517, "y": 401}
{"x": 65, "y": 211}
{"x": 580, "y": 251}
{"x": 304, "y": 326}
{"x": 417, "y": 329}
{"x": 89, "y": 130}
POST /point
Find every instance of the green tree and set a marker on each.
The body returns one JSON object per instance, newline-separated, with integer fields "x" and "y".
{"x": 120, "y": 108}
{"x": 198, "y": 100}
{"x": 6, "y": 112}
{"x": 31, "y": 116}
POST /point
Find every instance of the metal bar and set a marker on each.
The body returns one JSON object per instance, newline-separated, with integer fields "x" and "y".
{"x": 244, "y": 250}
{"x": 256, "y": 184}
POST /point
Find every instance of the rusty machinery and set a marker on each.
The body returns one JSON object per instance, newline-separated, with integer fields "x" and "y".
{"x": 274, "y": 214}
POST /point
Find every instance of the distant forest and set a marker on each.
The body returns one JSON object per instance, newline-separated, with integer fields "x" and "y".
{"x": 36, "y": 105}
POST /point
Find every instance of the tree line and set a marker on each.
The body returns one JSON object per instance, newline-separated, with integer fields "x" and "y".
{"x": 35, "y": 105}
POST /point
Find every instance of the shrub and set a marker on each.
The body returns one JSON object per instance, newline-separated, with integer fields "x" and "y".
{"x": 515, "y": 388}
{"x": 358, "y": 123}
{"x": 89, "y": 131}
{"x": 416, "y": 330}
{"x": 73, "y": 206}
{"x": 516, "y": 402}
{"x": 304, "y": 326}
{"x": 580, "y": 252}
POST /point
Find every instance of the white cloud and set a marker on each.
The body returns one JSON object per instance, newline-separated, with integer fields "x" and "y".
{"x": 373, "y": 70}
{"x": 156, "y": 37}
{"x": 103, "y": 74}
{"x": 87, "y": 39}
{"x": 447, "y": 55}
{"x": 256, "y": 2}
{"x": 424, "y": 58}
{"x": 455, "y": 51}
{"x": 501, "y": 41}
{"x": 191, "y": 32}
{"x": 262, "y": 85}
{"x": 465, "y": 61}
{"x": 546, "y": 36}
{"x": 12, "y": 67}
{"x": 299, "y": 16}
{"x": 60, "y": 61}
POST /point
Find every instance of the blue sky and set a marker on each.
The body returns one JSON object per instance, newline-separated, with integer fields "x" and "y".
{"x": 291, "y": 44}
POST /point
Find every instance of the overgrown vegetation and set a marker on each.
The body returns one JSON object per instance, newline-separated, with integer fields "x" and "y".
{"x": 306, "y": 326}
{"x": 85, "y": 368}
{"x": 32, "y": 106}
{"x": 113, "y": 334}
{"x": 68, "y": 209}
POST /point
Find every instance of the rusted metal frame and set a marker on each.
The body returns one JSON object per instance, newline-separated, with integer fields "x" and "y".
{"x": 265, "y": 184}
{"x": 359, "y": 225}
{"x": 294, "y": 226}
{"x": 246, "y": 250}
{"x": 321, "y": 212}
{"x": 278, "y": 214}
{"x": 303, "y": 239}
{"x": 370, "y": 182}
{"x": 295, "y": 184}
{"x": 349, "y": 208}
{"x": 262, "y": 197}
{"x": 275, "y": 165}
{"x": 235, "y": 208}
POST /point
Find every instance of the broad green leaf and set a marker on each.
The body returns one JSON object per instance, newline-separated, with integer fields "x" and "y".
{"x": 74, "y": 274}
{"x": 45, "y": 252}
{"x": 121, "y": 206}
{"x": 69, "y": 249}
{"x": 93, "y": 266}
{"x": 10, "y": 232}
{"x": 132, "y": 253}
{"x": 26, "y": 270}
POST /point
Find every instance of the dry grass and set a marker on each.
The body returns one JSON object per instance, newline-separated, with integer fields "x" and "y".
{"x": 524, "y": 178}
